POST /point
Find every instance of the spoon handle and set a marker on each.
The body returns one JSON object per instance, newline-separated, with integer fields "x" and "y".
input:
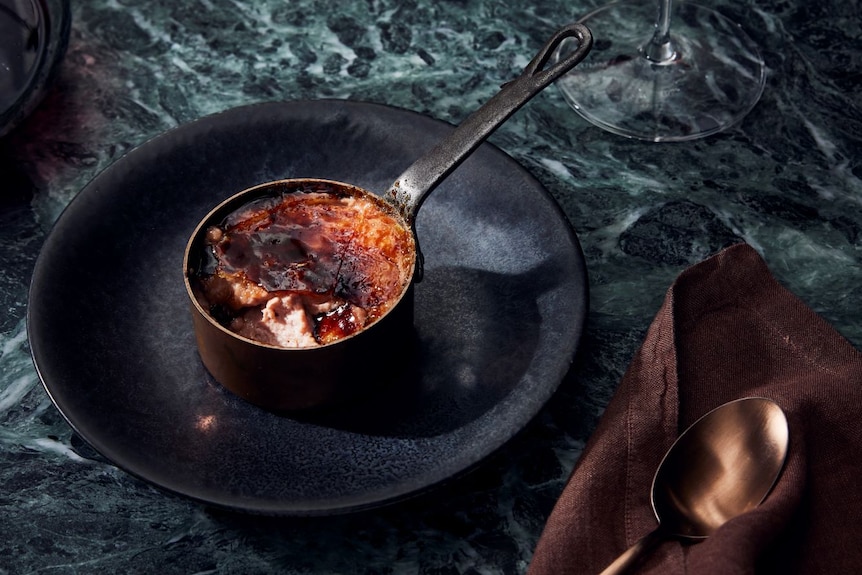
{"x": 410, "y": 188}
{"x": 631, "y": 555}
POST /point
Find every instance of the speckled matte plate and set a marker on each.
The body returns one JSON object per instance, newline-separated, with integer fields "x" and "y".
{"x": 499, "y": 315}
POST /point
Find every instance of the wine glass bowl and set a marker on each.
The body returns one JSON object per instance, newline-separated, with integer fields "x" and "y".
{"x": 672, "y": 72}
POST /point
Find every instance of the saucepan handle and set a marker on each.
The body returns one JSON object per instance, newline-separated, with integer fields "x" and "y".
{"x": 409, "y": 190}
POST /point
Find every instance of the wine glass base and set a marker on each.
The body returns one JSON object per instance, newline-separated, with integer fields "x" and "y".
{"x": 715, "y": 77}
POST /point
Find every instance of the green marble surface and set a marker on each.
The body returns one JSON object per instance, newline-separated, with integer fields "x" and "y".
{"x": 786, "y": 180}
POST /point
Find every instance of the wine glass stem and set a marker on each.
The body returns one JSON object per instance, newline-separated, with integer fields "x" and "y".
{"x": 660, "y": 48}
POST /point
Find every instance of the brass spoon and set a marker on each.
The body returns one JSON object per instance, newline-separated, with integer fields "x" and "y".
{"x": 722, "y": 466}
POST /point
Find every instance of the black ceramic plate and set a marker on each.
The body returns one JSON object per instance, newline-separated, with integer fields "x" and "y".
{"x": 498, "y": 315}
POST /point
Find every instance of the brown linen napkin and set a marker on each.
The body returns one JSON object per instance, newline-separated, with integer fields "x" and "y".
{"x": 726, "y": 330}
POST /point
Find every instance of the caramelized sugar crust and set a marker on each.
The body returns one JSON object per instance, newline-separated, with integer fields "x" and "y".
{"x": 306, "y": 268}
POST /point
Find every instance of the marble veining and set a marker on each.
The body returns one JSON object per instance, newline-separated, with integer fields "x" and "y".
{"x": 786, "y": 180}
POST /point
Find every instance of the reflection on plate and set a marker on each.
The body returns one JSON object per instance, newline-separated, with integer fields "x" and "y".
{"x": 499, "y": 314}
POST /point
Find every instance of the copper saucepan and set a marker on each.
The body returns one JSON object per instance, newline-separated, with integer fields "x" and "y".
{"x": 284, "y": 379}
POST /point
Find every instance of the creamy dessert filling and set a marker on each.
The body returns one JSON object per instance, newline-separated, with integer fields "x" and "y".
{"x": 305, "y": 268}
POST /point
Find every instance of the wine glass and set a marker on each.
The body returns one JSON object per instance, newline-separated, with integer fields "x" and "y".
{"x": 683, "y": 73}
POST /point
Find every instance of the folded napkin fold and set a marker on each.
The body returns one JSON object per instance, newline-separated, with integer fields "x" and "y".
{"x": 726, "y": 330}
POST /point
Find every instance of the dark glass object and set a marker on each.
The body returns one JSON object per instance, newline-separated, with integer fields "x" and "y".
{"x": 33, "y": 38}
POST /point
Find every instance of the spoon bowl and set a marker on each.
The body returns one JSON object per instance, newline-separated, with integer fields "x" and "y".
{"x": 722, "y": 466}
